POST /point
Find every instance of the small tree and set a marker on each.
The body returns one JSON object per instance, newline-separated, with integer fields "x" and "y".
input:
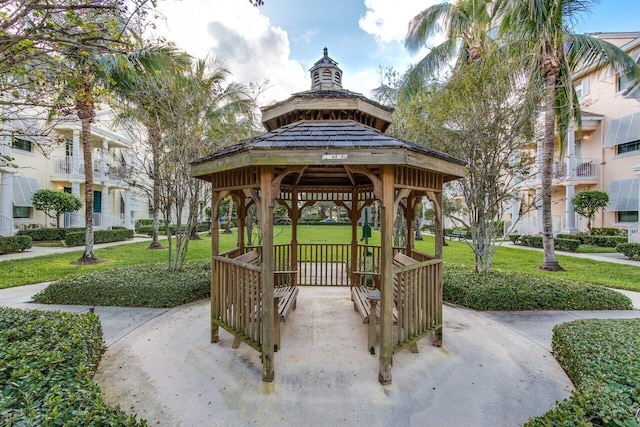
{"x": 588, "y": 203}
{"x": 55, "y": 201}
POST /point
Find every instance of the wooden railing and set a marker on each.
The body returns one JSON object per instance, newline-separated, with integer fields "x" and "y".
{"x": 236, "y": 306}
{"x": 419, "y": 303}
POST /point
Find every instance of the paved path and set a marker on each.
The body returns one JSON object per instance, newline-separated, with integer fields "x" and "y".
{"x": 614, "y": 257}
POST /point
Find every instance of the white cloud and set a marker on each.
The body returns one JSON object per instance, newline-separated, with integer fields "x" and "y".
{"x": 252, "y": 48}
{"x": 388, "y": 20}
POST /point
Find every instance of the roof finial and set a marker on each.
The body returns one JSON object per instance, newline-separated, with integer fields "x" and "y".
{"x": 326, "y": 52}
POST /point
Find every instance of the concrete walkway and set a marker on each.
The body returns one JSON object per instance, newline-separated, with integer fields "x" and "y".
{"x": 495, "y": 367}
{"x": 614, "y": 257}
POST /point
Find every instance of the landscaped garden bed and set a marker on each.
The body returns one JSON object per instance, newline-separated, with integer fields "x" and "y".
{"x": 47, "y": 363}
{"x": 601, "y": 358}
{"x": 150, "y": 285}
{"x": 515, "y": 291}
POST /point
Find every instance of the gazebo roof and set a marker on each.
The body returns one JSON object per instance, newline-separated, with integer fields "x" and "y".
{"x": 324, "y": 143}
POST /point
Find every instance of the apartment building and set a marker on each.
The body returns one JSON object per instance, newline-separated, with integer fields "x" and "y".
{"x": 603, "y": 155}
{"x": 56, "y": 162}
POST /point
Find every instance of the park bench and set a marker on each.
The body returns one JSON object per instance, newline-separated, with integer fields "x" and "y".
{"x": 366, "y": 300}
{"x": 458, "y": 234}
{"x": 284, "y": 297}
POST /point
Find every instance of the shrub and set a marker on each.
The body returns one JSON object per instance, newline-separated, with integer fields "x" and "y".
{"x": 604, "y": 241}
{"x": 47, "y": 362}
{"x": 566, "y": 244}
{"x": 515, "y": 238}
{"x": 577, "y": 237}
{"x": 533, "y": 241}
{"x": 40, "y": 234}
{"x": 149, "y": 285}
{"x": 608, "y": 231}
{"x": 143, "y": 222}
{"x": 99, "y": 236}
{"x": 600, "y": 357}
{"x": 630, "y": 250}
{"x": 514, "y": 291}
{"x": 15, "y": 244}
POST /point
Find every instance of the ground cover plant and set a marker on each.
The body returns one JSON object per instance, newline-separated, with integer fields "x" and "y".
{"x": 601, "y": 358}
{"x": 515, "y": 291}
{"x": 145, "y": 285}
{"x": 47, "y": 363}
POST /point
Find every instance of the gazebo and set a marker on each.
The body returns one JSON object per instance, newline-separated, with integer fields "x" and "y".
{"x": 327, "y": 144}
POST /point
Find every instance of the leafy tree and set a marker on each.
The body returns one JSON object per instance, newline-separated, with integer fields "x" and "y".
{"x": 540, "y": 34}
{"x": 58, "y": 202}
{"x": 588, "y": 203}
{"x": 480, "y": 117}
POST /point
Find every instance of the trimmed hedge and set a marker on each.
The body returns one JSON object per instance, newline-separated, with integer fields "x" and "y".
{"x": 577, "y": 237}
{"x": 604, "y": 241}
{"x": 142, "y": 222}
{"x": 563, "y": 244}
{"x": 515, "y": 238}
{"x": 601, "y": 358}
{"x": 608, "y": 231}
{"x": 503, "y": 291}
{"x": 99, "y": 236}
{"x": 15, "y": 244}
{"x": 148, "y": 229}
{"x": 630, "y": 250}
{"x": 150, "y": 285}
{"x": 40, "y": 234}
{"x": 47, "y": 363}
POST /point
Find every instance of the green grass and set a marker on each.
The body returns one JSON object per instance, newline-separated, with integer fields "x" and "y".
{"x": 589, "y": 249}
{"x": 59, "y": 266}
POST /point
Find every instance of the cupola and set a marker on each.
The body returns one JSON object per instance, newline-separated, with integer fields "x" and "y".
{"x": 325, "y": 74}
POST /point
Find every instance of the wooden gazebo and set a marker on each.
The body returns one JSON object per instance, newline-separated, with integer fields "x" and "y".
{"x": 327, "y": 144}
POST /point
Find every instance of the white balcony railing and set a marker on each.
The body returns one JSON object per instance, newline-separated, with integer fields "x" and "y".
{"x": 6, "y": 226}
{"x": 63, "y": 165}
{"x": 633, "y": 233}
{"x": 575, "y": 169}
{"x": 531, "y": 226}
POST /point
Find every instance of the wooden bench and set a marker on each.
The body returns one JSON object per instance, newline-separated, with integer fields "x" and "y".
{"x": 284, "y": 297}
{"x": 366, "y": 300}
{"x": 458, "y": 234}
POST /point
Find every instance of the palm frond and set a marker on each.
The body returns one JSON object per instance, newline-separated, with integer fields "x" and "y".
{"x": 425, "y": 24}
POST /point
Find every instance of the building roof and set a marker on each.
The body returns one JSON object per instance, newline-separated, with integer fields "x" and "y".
{"x": 333, "y": 135}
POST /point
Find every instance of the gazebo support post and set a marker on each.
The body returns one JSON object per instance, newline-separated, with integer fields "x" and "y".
{"x": 386, "y": 276}
{"x": 294, "y": 234}
{"x": 439, "y": 243}
{"x": 241, "y": 218}
{"x": 215, "y": 251}
{"x": 353, "y": 217}
{"x": 266, "y": 216}
{"x": 410, "y": 217}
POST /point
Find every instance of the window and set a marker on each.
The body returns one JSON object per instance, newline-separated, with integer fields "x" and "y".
{"x": 22, "y": 211}
{"x": 97, "y": 201}
{"x": 628, "y": 216}
{"x": 68, "y": 147}
{"x": 582, "y": 87}
{"x": 21, "y": 144}
{"x": 623, "y": 82}
{"x": 628, "y": 147}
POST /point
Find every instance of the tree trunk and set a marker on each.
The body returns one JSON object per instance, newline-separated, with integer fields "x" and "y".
{"x": 155, "y": 139}
{"x": 548, "y": 144}
{"x": 86, "y": 112}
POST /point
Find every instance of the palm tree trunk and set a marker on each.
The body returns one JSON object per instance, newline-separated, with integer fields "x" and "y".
{"x": 550, "y": 262}
{"x": 86, "y": 112}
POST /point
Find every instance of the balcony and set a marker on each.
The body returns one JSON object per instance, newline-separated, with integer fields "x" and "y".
{"x": 64, "y": 166}
{"x": 576, "y": 170}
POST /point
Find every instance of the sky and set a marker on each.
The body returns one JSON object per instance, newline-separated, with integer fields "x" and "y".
{"x": 281, "y": 40}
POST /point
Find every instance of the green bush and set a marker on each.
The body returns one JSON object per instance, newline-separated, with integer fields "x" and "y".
{"x": 604, "y": 241}
{"x": 515, "y": 238}
{"x": 609, "y": 231}
{"x": 15, "y": 244}
{"x": 40, "y": 234}
{"x": 577, "y": 237}
{"x": 566, "y": 244}
{"x": 99, "y": 236}
{"x": 143, "y": 222}
{"x": 533, "y": 241}
{"x": 630, "y": 250}
{"x": 150, "y": 285}
{"x": 601, "y": 358}
{"x": 47, "y": 363}
{"x": 513, "y": 291}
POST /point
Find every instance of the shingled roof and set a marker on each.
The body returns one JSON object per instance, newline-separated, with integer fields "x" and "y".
{"x": 335, "y": 135}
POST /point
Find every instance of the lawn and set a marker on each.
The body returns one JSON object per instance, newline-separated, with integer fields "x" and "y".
{"x": 54, "y": 267}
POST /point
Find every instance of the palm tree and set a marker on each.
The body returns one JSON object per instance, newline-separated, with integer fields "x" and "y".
{"x": 539, "y": 32}
{"x": 466, "y": 25}
{"x": 139, "y": 81}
